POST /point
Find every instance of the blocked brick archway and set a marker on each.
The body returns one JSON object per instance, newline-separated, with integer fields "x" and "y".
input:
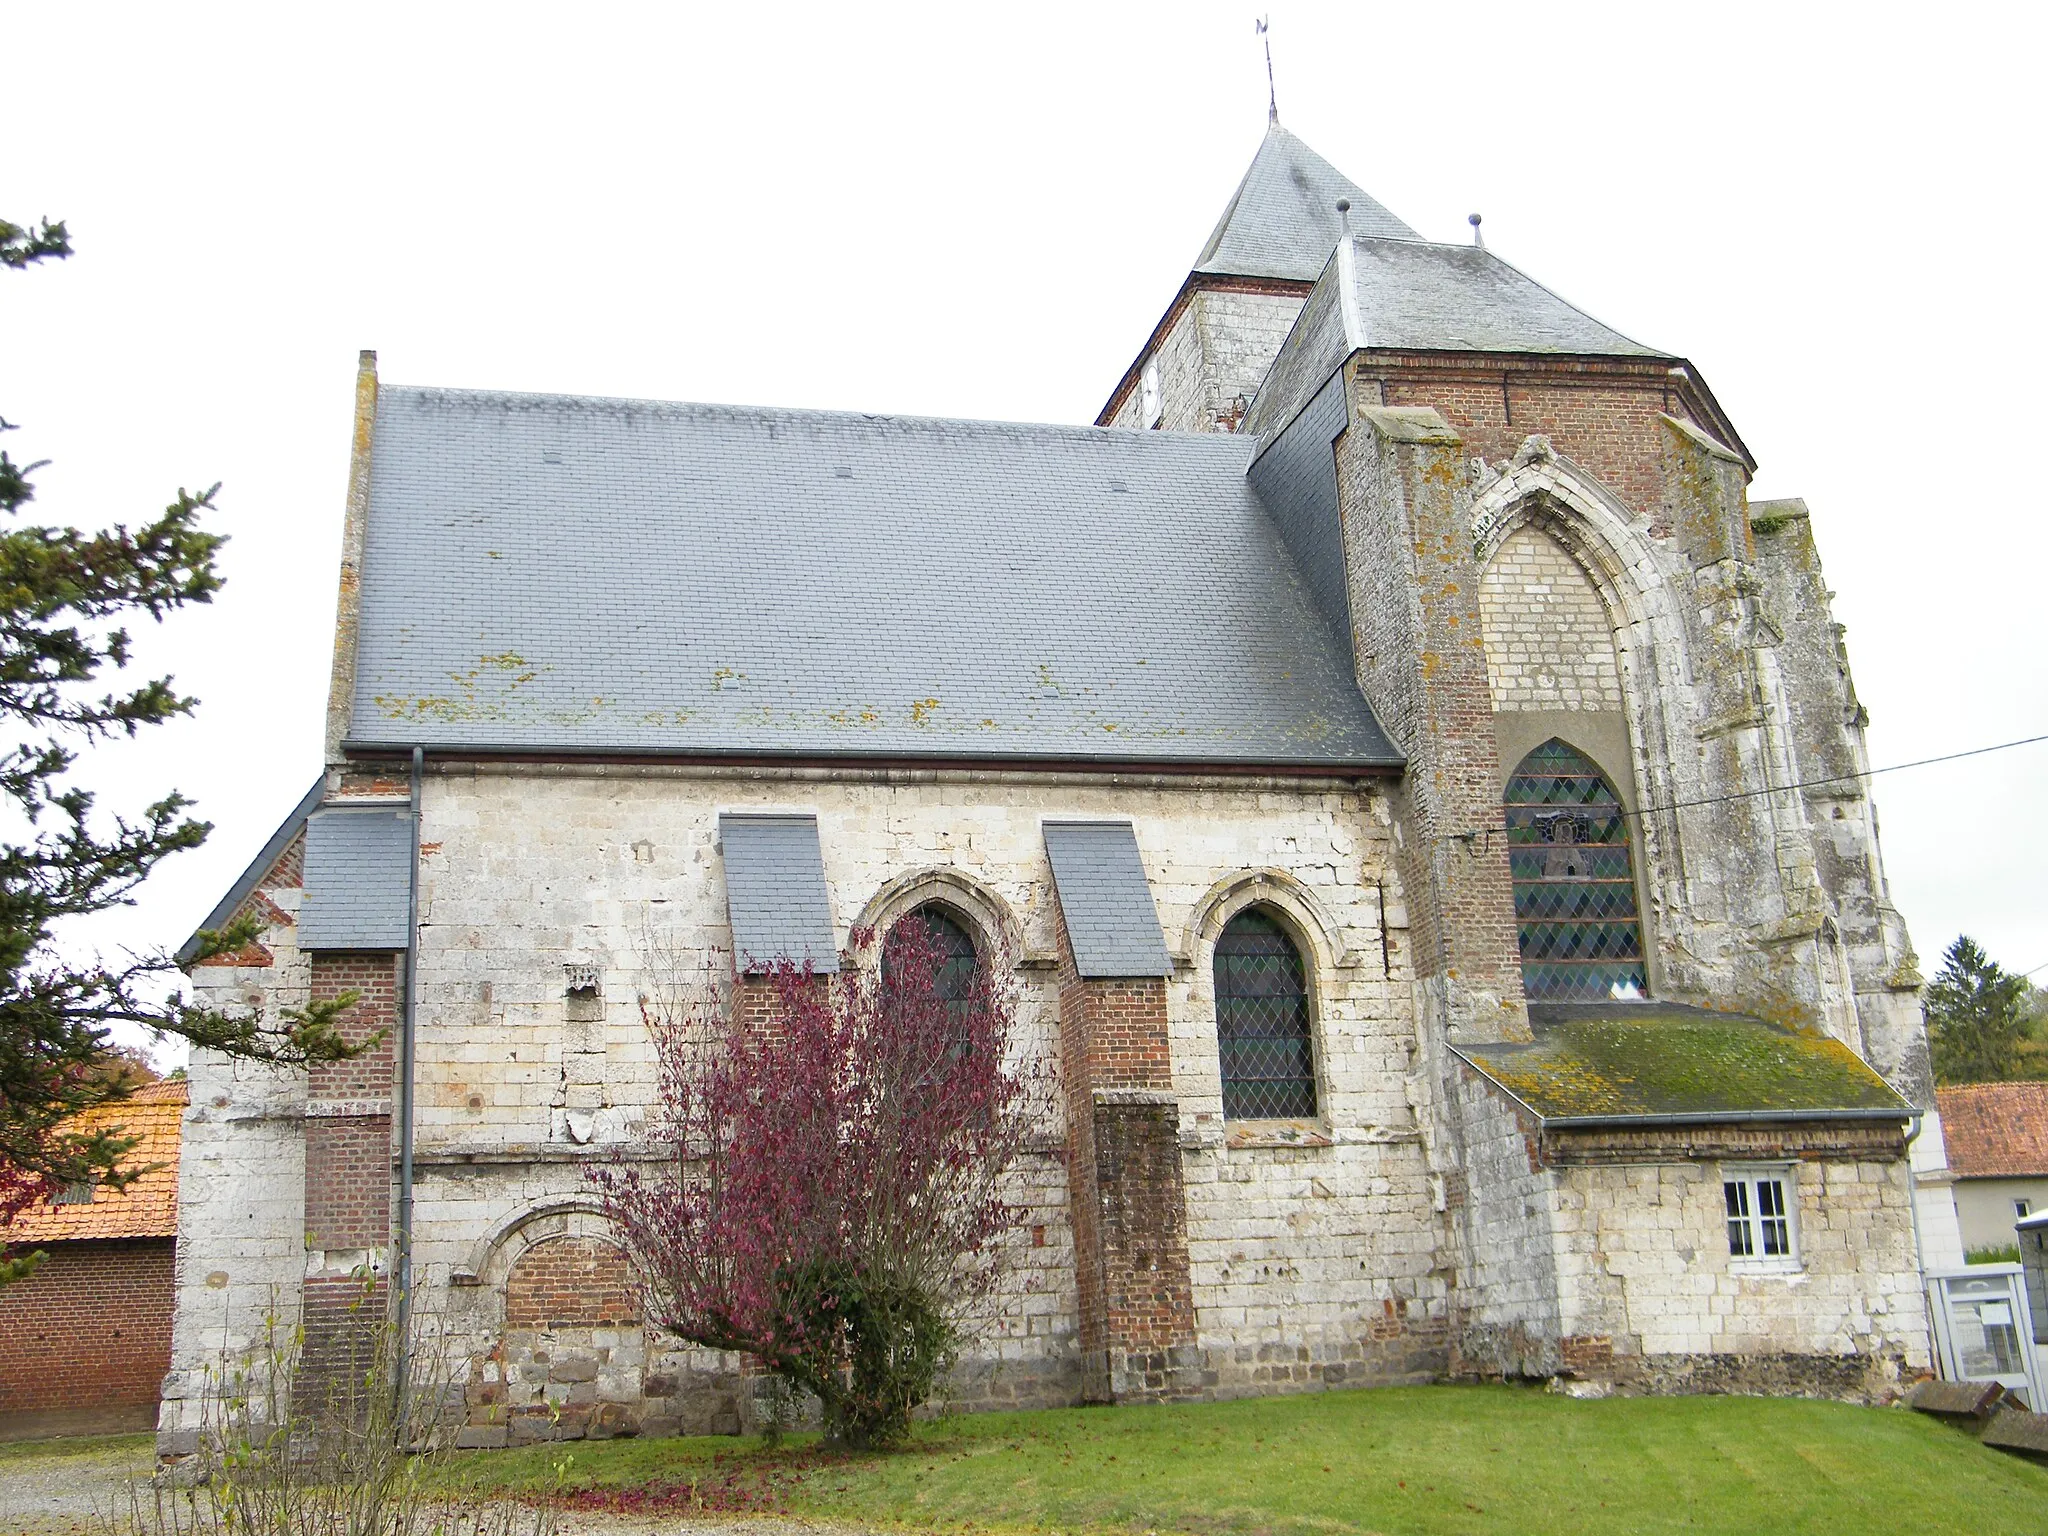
{"x": 571, "y": 1282}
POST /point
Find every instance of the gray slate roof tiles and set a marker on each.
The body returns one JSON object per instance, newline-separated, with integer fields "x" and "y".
{"x": 1283, "y": 220}
{"x": 358, "y": 879}
{"x": 775, "y": 892}
{"x": 1105, "y": 900}
{"x": 1414, "y": 295}
{"x": 1463, "y": 298}
{"x": 550, "y": 572}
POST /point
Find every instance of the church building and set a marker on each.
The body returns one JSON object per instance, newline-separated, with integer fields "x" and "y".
{"x": 1420, "y": 793}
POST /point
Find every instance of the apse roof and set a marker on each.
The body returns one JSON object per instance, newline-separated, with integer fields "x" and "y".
{"x": 1419, "y": 296}
{"x": 554, "y": 573}
{"x": 1283, "y": 219}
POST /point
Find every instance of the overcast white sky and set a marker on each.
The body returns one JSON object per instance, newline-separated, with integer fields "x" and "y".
{"x": 1835, "y": 212}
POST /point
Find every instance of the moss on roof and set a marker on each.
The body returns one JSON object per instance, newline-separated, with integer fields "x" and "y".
{"x": 1665, "y": 1060}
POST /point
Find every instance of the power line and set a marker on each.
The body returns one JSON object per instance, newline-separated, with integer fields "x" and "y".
{"x": 1778, "y": 789}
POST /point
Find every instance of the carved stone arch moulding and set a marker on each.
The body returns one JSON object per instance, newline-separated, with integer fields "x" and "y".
{"x": 1544, "y": 489}
{"x": 1275, "y": 888}
{"x": 492, "y": 1256}
{"x": 991, "y": 919}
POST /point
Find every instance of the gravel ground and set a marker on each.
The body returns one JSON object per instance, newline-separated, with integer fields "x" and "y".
{"x": 69, "y": 1487}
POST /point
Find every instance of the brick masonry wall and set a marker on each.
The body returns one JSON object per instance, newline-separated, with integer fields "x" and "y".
{"x": 1124, "y": 1167}
{"x": 1421, "y": 660}
{"x": 1549, "y": 641}
{"x": 88, "y": 1333}
{"x": 1607, "y": 425}
{"x": 348, "y": 1181}
{"x": 571, "y": 1282}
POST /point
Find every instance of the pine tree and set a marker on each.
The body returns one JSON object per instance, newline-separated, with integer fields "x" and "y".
{"x": 64, "y": 598}
{"x": 1975, "y": 1021}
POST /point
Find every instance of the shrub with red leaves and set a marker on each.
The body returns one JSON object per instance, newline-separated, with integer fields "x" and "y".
{"x": 833, "y": 1200}
{"x": 18, "y": 1191}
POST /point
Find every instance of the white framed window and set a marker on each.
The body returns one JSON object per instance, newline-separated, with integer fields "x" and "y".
{"x": 1762, "y": 1208}
{"x": 1150, "y": 405}
{"x": 2022, "y": 1209}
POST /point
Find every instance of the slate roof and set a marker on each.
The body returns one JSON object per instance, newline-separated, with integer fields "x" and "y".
{"x": 1995, "y": 1130}
{"x": 1105, "y": 900}
{"x": 557, "y": 573}
{"x": 154, "y": 1114}
{"x": 1283, "y": 220}
{"x": 1667, "y": 1062}
{"x": 1417, "y": 295}
{"x": 775, "y": 892}
{"x": 358, "y": 879}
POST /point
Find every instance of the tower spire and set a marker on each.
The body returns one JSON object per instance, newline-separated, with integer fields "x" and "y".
{"x": 1272, "y": 96}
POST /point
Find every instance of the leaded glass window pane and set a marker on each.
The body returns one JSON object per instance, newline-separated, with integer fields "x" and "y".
{"x": 1262, "y": 1028}
{"x": 1575, "y": 891}
{"x": 953, "y": 946}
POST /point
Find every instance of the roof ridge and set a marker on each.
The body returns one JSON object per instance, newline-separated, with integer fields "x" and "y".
{"x": 741, "y": 412}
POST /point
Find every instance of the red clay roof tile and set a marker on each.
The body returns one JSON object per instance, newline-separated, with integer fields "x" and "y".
{"x": 1995, "y": 1130}
{"x": 148, "y": 1207}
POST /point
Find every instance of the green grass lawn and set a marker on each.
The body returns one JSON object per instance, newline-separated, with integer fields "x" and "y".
{"x": 140, "y": 1446}
{"x": 1399, "y": 1460}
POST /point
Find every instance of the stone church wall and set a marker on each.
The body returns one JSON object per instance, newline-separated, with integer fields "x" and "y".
{"x": 1652, "y": 1300}
{"x": 1313, "y": 1243}
{"x": 1210, "y": 360}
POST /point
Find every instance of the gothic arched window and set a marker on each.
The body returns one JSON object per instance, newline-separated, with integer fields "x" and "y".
{"x": 1262, "y": 1021}
{"x": 1575, "y": 891}
{"x": 953, "y": 947}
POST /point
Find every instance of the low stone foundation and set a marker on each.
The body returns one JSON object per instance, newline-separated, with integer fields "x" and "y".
{"x": 1589, "y": 1365}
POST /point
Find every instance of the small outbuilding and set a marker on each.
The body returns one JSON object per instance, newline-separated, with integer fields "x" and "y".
{"x": 85, "y": 1339}
{"x": 1997, "y": 1136}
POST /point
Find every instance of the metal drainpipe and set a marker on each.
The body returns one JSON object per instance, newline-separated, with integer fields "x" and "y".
{"x": 405, "y": 1076}
{"x": 1919, "y": 1251}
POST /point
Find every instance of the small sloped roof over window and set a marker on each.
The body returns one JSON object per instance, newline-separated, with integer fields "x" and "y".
{"x": 154, "y": 1115}
{"x": 358, "y": 879}
{"x": 1995, "y": 1130}
{"x": 775, "y": 892}
{"x": 1105, "y": 899}
{"x": 1665, "y": 1062}
{"x": 548, "y": 573}
{"x": 1283, "y": 221}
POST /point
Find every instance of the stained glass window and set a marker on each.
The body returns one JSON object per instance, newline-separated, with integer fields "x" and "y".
{"x": 1575, "y": 892}
{"x": 1262, "y": 1029}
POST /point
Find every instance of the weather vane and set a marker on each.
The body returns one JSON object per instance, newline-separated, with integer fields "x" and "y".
{"x": 1272, "y": 97}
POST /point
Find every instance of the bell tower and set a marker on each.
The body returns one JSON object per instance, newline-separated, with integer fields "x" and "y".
{"x": 1206, "y": 357}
